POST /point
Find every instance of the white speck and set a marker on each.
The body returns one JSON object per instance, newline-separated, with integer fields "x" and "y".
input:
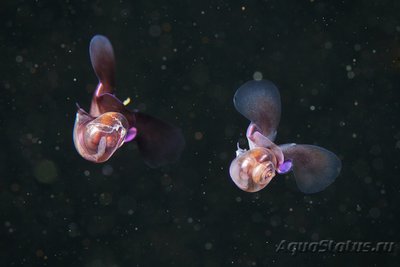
{"x": 312, "y": 108}
{"x": 163, "y": 67}
{"x": 208, "y": 246}
{"x": 356, "y": 103}
{"x": 354, "y": 135}
{"x": 348, "y": 68}
{"x": 74, "y": 79}
{"x": 257, "y": 76}
{"x": 328, "y": 45}
{"x": 86, "y": 173}
{"x": 350, "y": 75}
{"x": 19, "y": 59}
{"x": 107, "y": 170}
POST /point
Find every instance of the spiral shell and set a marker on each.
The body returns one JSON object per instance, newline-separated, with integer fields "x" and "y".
{"x": 97, "y": 139}
{"x": 252, "y": 170}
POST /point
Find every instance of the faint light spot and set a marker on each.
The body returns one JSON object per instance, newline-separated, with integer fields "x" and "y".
{"x": 354, "y": 135}
{"x": 350, "y": 75}
{"x": 374, "y": 51}
{"x": 357, "y": 47}
{"x": 105, "y": 199}
{"x": 275, "y": 220}
{"x": 243, "y": 8}
{"x": 374, "y": 213}
{"x": 342, "y": 124}
{"x": 107, "y": 170}
{"x": 257, "y": 76}
{"x": 15, "y": 187}
{"x": 328, "y": 45}
{"x": 238, "y": 199}
{"x": 74, "y": 79}
{"x": 166, "y": 27}
{"x": 367, "y": 180}
{"x": 125, "y": 13}
{"x": 19, "y": 59}
{"x": 198, "y": 135}
{"x": 155, "y": 30}
{"x": 86, "y": 173}
{"x": 163, "y": 67}
{"x": 126, "y": 205}
{"x": 39, "y": 253}
{"x": 355, "y": 103}
{"x": 208, "y": 246}
{"x": 312, "y": 108}
{"x": 348, "y": 68}
{"x": 397, "y": 145}
{"x": 46, "y": 172}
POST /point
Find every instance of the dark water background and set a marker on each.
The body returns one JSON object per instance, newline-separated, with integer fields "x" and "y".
{"x": 337, "y": 64}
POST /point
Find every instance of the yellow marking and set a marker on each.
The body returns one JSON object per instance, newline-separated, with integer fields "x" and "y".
{"x": 127, "y": 101}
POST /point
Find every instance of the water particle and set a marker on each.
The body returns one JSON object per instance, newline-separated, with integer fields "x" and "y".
{"x": 198, "y": 135}
{"x": 19, "y": 59}
{"x": 350, "y": 75}
{"x": 257, "y": 76}
{"x": 328, "y": 45}
{"x": 107, "y": 170}
{"x": 46, "y": 172}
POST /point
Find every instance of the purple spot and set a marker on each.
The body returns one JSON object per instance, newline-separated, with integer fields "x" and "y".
{"x": 285, "y": 167}
{"x": 131, "y": 134}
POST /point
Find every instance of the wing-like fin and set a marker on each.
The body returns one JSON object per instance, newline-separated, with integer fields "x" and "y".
{"x": 159, "y": 142}
{"x": 260, "y": 102}
{"x": 103, "y": 62}
{"x": 314, "y": 167}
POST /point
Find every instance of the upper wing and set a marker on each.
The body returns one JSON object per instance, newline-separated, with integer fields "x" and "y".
{"x": 103, "y": 62}
{"x": 260, "y": 102}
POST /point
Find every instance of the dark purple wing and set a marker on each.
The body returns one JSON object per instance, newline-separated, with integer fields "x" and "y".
{"x": 260, "y": 102}
{"x": 103, "y": 62}
{"x": 159, "y": 142}
{"x": 314, "y": 167}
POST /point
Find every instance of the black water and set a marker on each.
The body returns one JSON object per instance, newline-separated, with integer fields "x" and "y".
{"x": 337, "y": 64}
